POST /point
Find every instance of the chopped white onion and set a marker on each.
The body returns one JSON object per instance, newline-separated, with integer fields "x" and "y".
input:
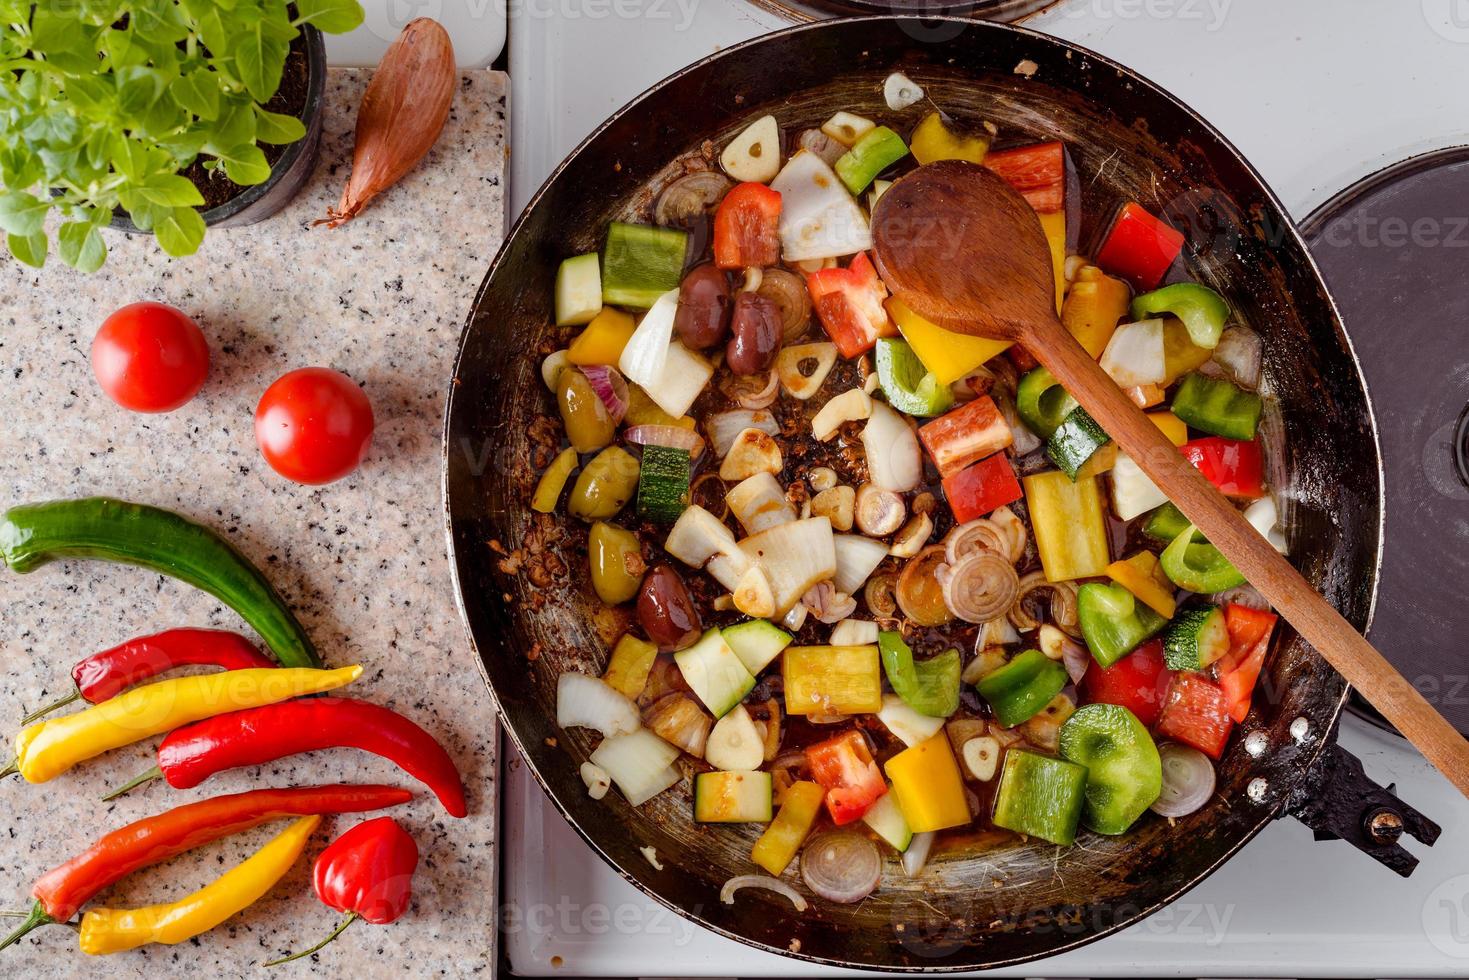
{"x": 794, "y": 557}
{"x": 905, "y": 723}
{"x": 891, "y": 446}
{"x": 640, "y": 763}
{"x": 727, "y": 893}
{"x": 759, "y": 503}
{"x": 916, "y": 856}
{"x": 818, "y": 218}
{"x": 590, "y": 702}
{"x": 856, "y": 559}
{"x": 646, "y": 352}
{"x": 1264, "y": 518}
{"x": 724, "y": 427}
{"x": 1239, "y": 354}
{"x": 1188, "y": 780}
{"x": 1135, "y": 354}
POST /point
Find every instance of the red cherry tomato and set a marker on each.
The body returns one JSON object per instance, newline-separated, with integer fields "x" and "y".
{"x": 313, "y": 425}
{"x": 150, "y": 357}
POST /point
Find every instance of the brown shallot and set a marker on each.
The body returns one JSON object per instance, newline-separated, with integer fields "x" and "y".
{"x": 1063, "y": 604}
{"x": 980, "y": 586}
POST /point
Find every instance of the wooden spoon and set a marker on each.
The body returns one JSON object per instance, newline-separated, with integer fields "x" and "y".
{"x": 956, "y": 244}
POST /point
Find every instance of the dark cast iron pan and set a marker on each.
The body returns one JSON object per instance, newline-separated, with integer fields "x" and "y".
{"x": 974, "y": 906}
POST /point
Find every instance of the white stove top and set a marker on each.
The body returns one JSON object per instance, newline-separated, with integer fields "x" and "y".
{"x": 1317, "y": 93}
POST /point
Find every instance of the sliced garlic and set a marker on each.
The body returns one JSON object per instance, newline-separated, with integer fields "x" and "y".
{"x": 597, "y": 780}
{"x": 847, "y": 127}
{"x": 837, "y": 505}
{"x": 753, "y": 595}
{"x": 981, "y": 756}
{"x": 852, "y": 405}
{"x": 753, "y": 452}
{"x": 900, "y": 91}
{"x": 911, "y": 539}
{"x": 755, "y": 153}
{"x": 789, "y": 363}
{"x": 854, "y": 633}
{"x": 822, "y": 478}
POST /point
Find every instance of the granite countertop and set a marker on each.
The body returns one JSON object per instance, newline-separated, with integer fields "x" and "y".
{"x": 362, "y": 561}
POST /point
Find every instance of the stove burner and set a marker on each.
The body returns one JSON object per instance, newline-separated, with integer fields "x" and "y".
{"x": 1393, "y": 248}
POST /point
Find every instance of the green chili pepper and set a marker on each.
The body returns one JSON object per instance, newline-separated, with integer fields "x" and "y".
{"x": 1202, "y": 310}
{"x": 1113, "y": 622}
{"x": 1042, "y": 403}
{"x": 1076, "y": 446}
{"x": 878, "y": 149}
{"x": 930, "y": 687}
{"x": 1040, "y": 796}
{"x": 910, "y": 387}
{"x": 641, "y": 263}
{"x": 1021, "y": 688}
{"x": 1218, "y": 407}
{"x": 1165, "y": 523}
{"x": 103, "y": 529}
{"x": 1192, "y": 563}
{"x": 1124, "y": 773}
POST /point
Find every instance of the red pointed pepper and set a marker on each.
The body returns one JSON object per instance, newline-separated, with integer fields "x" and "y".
{"x": 1139, "y": 682}
{"x": 747, "y": 228}
{"x": 849, "y": 304}
{"x": 1139, "y": 247}
{"x": 1236, "y": 468}
{"x": 979, "y": 490}
{"x": 368, "y": 874}
{"x": 1249, "y": 640}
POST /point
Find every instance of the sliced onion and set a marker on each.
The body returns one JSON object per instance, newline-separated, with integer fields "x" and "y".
{"x": 590, "y": 702}
{"x": 817, "y": 142}
{"x": 879, "y": 512}
{"x": 678, "y": 720}
{"x": 973, "y": 537}
{"x": 891, "y": 445}
{"x": 1063, "y": 604}
{"x": 689, "y": 198}
{"x": 709, "y": 492}
{"x": 1188, "y": 780}
{"x": 672, "y": 436}
{"x": 857, "y": 558}
{"x": 791, "y": 359}
{"x": 726, "y": 426}
{"x": 789, "y": 293}
{"x": 727, "y": 893}
{"x": 880, "y": 594}
{"x": 1013, "y": 528}
{"x": 610, "y": 387}
{"x": 919, "y": 593}
{"x": 981, "y": 586}
{"x": 1077, "y": 659}
{"x": 827, "y": 604}
{"x": 1025, "y": 441}
{"x": 841, "y": 866}
{"x": 763, "y": 398}
{"x": 1239, "y": 354}
{"x": 916, "y": 856}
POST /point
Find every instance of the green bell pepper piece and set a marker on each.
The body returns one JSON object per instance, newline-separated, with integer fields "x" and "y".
{"x": 641, "y": 263}
{"x": 878, "y": 149}
{"x": 1075, "y": 442}
{"x": 1216, "y": 406}
{"x": 1040, "y": 796}
{"x": 1021, "y": 688}
{"x": 1042, "y": 403}
{"x": 1192, "y": 563}
{"x": 930, "y": 687}
{"x": 1113, "y": 622}
{"x": 1202, "y": 310}
{"x": 1165, "y": 523}
{"x": 909, "y": 386}
{"x": 1124, "y": 773}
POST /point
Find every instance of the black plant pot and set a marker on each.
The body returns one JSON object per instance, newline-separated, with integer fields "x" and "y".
{"x": 290, "y": 172}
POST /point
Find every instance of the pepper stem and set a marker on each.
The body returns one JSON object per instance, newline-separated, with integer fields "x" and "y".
{"x": 53, "y": 706}
{"x": 36, "y": 917}
{"x": 351, "y": 918}
{"x": 134, "y": 783}
{"x": 11, "y": 769}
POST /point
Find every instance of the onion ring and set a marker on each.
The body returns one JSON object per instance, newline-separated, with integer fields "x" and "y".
{"x": 1063, "y": 604}
{"x": 727, "y": 893}
{"x": 980, "y": 587}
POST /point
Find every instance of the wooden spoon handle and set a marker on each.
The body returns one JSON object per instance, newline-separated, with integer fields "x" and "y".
{"x": 1265, "y": 568}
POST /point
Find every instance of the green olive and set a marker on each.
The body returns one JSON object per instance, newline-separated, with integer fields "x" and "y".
{"x": 588, "y": 426}
{"x": 617, "y": 562}
{"x": 605, "y": 485}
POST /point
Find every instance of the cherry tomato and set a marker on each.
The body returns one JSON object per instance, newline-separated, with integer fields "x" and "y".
{"x": 150, "y": 357}
{"x": 313, "y": 425}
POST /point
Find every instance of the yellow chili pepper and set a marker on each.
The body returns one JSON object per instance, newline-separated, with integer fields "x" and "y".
{"x": 603, "y": 339}
{"x": 115, "y": 930}
{"x": 1143, "y": 576}
{"x": 1094, "y": 305}
{"x": 1070, "y": 530}
{"x": 49, "y": 748}
{"x": 948, "y": 356}
{"x": 782, "y": 840}
{"x": 832, "y": 680}
{"x": 932, "y": 140}
{"x": 1054, "y": 225}
{"x": 1171, "y": 426}
{"x": 553, "y": 481}
{"x": 928, "y": 786}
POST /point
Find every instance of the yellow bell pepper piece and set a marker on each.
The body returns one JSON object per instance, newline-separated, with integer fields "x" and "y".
{"x": 1171, "y": 426}
{"x": 948, "y": 356}
{"x": 553, "y": 481}
{"x": 1094, "y": 305}
{"x": 1070, "y": 529}
{"x": 115, "y": 930}
{"x": 832, "y": 680}
{"x": 1144, "y": 396}
{"x": 631, "y": 661}
{"x": 1054, "y": 225}
{"x": 1180, "y": 354}
{"x": 782, "y": 840}
{"x": 1143, "y": 576}
{"x": 642, "y": 410}
{"x": 928, "y": 786}
{"x": 603, "y": 339}
{"x": 932, "y": 140}
{"x": 49, "y": 748}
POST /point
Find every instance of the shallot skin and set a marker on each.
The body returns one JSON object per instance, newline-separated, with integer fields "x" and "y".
{"x": 401, "y": 116}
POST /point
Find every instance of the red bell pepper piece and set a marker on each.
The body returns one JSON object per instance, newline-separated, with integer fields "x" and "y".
{"x": 1138, "y": 682}
{"x": 965, "y": 435}
{"x": 849, "y": 303}
{"x": 368, "y": 874}
{"x": 255, "y": 736}
{"x": 1196, "y": 712}
{"x": 983, "y": 487}
{"x": 60, "y": 892}
{"x": 1237, "y": 468}
{"x": 747, "y": 228}
{"x": 1037, "y": 172}
{"x": 845, "y": 768}
{"x": 1139, "y": 247}
{"x": 1249, "y": 640}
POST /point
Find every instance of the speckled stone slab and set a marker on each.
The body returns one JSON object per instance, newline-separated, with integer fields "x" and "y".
{"x": 363, "y": 561}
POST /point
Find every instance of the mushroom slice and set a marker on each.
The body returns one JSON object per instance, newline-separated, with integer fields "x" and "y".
{"x": 753, "y": 452}
{"x": 755, "y": 153}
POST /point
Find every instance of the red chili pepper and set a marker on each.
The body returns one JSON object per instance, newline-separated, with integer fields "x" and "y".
{"x": 60, "y": 892}
{"x": 1138, "y": 682}
{"x": 192, "y": 754}
{"x": 849, "y": 303}
{"x": 1196, "y": 712}
{"x": 1139, "y": 248}
{"x": 1037, "y": 172}
{"x": 367, "y": 873}
{"x": 983, "y": 487}
{"x": 1249, "y": 640}
{"x": 105, "y": 675}
{"x": 747, "y": 228}
{"x": 845, "y": 768}
{"x": 965, "y": 435}
{"x": 1236, "y": 468}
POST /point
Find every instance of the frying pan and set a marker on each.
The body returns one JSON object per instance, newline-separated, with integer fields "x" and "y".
{"x": 522, "y": 580}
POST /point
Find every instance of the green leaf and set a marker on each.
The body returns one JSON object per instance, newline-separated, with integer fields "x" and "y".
{"x": 22, "y": 213}
{"x": 80, "y": 246}
{"x": 170, "y": 190}
{"x": 260, "y": 57}
{"x": 278, "y": 128}
{"x": 137, "y": 89}
{"x": 331, "y": 16}
{"x": 157, "y": 20}
{"x": 198, "y": 92}
{"x": 245, "y": 165}
{"x": 30, "y": 249}
{"x": 179, "y": 231}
